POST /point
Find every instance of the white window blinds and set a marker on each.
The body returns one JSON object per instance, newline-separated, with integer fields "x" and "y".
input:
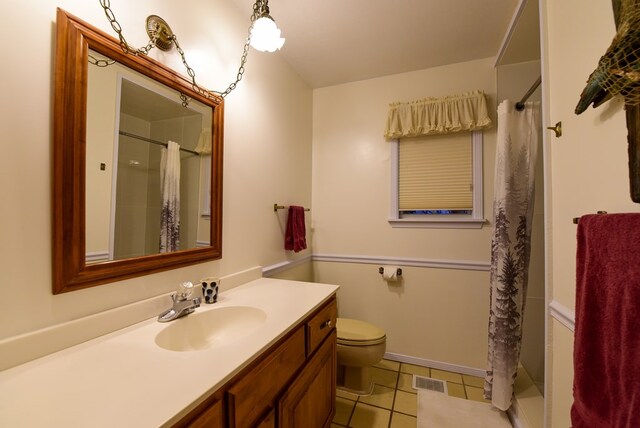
{"x": 436, "y": 173}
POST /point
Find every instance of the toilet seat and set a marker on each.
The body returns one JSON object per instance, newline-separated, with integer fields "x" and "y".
{"x": 358, "y": 333}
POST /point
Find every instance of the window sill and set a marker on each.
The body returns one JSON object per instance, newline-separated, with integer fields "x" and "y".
{"x": 439, "y": 223}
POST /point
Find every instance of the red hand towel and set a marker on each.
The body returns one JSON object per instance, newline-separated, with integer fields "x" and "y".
{"x": 606, "y": 357}
{"x": 295, "y": 239}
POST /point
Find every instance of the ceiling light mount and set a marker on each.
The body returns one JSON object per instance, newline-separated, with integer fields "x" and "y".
{"x": 159, "y": 29}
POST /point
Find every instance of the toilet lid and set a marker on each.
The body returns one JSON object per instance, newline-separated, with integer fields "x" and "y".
{"x": 356, "y": 332}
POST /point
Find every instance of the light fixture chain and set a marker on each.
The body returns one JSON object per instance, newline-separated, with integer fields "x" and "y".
{"x": 126, "y": 48}
{"x": 100, "y": 62}
{"x": 239, "y": 75}
{"x": 243, "y": 61}
{"x": 260, "y": 7}
{"x": 257, "y": 7}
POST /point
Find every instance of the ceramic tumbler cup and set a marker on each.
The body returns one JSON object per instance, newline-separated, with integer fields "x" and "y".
{"x": 210, "y": 289}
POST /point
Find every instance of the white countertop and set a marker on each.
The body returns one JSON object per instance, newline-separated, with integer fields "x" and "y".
{"x": 124, "y": 379}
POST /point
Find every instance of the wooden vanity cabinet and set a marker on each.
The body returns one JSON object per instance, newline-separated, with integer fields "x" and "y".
{"x": 252, "y": 395}
{"x": 211, "y": 417}
{"x": 269, "y": 421}
{"x": 310, "y": 400}
{"x": 208, "y": 414}
{"x": 320, "y": 325}
{"x": 292, "y": 384}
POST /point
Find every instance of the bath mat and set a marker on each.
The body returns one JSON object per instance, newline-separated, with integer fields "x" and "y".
{"x": 437, "y": 410}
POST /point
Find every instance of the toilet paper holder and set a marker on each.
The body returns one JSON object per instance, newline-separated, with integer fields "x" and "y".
{"x": 381, "y": 271}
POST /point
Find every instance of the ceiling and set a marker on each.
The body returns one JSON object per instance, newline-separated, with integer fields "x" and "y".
{"x": 329, "y": 42}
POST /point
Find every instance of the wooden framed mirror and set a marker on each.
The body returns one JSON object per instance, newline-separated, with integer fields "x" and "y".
{"x": 101, "y": 234}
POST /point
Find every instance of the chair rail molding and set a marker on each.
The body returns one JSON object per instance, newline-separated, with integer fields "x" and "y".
{"x": 402, "y": 261}
{"x": 566, "y": 316}
{"x": 276, "y": 268}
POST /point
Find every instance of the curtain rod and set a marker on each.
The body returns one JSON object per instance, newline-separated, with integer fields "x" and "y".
{"x": 520, "y": 104}
{"x": 149, "y": 140}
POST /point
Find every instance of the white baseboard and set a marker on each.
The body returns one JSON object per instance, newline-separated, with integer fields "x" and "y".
{"x": 97, "y": 256}
{"x": 435, "y": 364}
{"x": 202, "y": 244}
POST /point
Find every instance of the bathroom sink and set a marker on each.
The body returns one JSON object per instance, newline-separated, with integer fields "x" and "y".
{"x": 202, "y": 330}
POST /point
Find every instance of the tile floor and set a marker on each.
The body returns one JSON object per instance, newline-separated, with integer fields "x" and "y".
{"x": 394, "y": 403}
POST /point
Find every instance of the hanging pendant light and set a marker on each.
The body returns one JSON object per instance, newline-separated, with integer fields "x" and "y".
{"x": 265, "y": 35}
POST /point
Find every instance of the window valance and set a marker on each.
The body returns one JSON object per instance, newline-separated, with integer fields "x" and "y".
{"x": 446, "y": 115}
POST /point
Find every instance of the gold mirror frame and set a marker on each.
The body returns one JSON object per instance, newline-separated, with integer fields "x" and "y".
{"x": 74, "y": 38}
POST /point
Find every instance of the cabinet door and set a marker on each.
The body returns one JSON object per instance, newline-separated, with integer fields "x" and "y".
{"x": 310, "y": 401}
{"x": 258, "y": 390}
{"x": 211, "y": 417}
{"x": 269, "y": 421}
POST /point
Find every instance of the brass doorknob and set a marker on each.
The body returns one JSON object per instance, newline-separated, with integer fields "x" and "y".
{"x": 557, "y": 129}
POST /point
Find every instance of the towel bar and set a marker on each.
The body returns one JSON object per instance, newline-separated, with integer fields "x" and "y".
{"x": 277, "y": 207}
{"x": 577, "y": 219}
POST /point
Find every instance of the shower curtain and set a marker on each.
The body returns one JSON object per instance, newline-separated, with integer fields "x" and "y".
{"x": 516, "y": 153}
{"x": 170, "y": 188}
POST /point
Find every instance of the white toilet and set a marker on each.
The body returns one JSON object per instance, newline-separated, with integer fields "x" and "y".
{"x": 360, "y": 346}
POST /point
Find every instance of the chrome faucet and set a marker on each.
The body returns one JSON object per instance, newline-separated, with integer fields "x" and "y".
{"x": 182, "y": 304}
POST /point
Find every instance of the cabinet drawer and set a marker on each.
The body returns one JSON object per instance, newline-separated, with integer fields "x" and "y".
{"x": 321, "y": 325}
{"x": 255, "y": 392}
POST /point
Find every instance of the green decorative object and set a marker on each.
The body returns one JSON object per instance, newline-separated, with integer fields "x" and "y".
{"x": 618, "y": 71}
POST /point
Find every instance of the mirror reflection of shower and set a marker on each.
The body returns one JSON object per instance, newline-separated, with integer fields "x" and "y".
{"x": 130, "y": 117}
{"x": 147, "y": 121}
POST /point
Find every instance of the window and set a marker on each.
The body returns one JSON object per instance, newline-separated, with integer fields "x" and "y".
{"x": 437, "y": 181}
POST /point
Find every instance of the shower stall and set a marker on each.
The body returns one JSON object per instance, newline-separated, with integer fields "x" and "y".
{"x": 513, "y": 81}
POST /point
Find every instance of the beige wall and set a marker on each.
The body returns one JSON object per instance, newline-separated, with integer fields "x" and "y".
{"x": 351, "y": 194}
{"x": 301, "y": 272}
{"x": 267, "y": 151}
{"x": 132, "y": 221}
{"x": 586, "y": 167}
{"x": 101, "y": 88}
{"x": 351, "y": 181}
{"x": 439, "y": 315}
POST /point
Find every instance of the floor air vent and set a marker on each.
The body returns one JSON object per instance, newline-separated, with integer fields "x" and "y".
{"x": 420, "y": 382}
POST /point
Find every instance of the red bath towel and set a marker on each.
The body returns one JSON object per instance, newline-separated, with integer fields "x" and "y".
{"x": 295, "y": 239}
{"x": 606, "y": 357}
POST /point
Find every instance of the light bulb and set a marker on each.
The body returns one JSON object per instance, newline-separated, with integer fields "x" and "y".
{"x": 265, "y": 35}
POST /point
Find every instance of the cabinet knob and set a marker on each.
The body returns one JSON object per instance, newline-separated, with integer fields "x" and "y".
{"x": 327, "y": 323}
